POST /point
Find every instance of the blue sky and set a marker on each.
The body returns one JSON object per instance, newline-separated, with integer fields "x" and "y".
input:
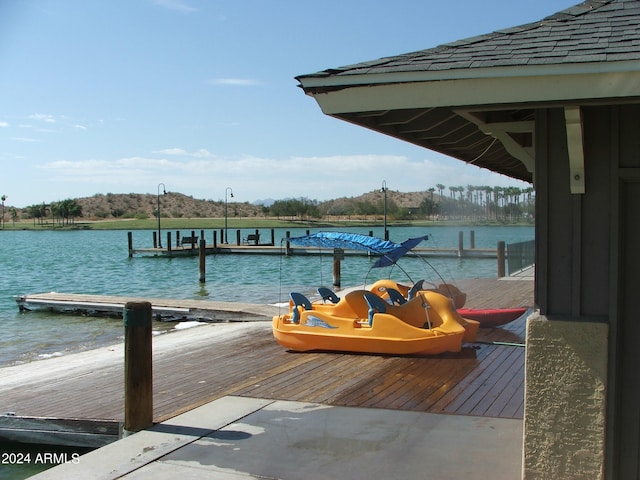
{"x": 118, "y": 96}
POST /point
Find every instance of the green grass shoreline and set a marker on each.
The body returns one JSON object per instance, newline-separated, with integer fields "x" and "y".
{"x": 239, "y": 223}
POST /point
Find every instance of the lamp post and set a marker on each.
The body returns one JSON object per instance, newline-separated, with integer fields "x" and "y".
{"x": 228, "y": 189}
{"x": 384, "y": 190}
{"x": 3, "y": 198}
{"x": 164, "y": 191}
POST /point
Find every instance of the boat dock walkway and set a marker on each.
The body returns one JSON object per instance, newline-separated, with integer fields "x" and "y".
{"x": 223, "y": 249}
{"x": 163, "y": 309}
{"x": 190, "y": 246}
{"x": 204, "y": 374}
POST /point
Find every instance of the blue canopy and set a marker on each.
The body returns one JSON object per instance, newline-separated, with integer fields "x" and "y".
{"x": 353, "y": 241}
{"x": 392, "y": 257}
{"x": 391, "y": 251}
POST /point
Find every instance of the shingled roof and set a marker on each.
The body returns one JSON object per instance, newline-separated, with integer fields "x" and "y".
{"x": 558, "y": 60}
{"x": 594, "y": 31}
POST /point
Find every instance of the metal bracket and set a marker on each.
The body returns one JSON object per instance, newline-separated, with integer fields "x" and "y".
{"x": 573, "y": 122}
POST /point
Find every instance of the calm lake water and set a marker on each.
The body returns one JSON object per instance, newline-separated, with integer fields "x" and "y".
{"x": 97, "y": 262}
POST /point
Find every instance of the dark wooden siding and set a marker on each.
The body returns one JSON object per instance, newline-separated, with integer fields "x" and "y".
{"x": 574, "y": 230}
{"x": 587, "y": 258}
{"x": 624, "y": 394}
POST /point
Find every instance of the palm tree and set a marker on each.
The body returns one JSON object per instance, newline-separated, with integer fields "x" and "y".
{"x": 68, "y": 210}
{"x": 487, "y": 200}
{"x": 37, "y": 212}
{"x": 75, "y": 210}
{"x": 497, "y": 196}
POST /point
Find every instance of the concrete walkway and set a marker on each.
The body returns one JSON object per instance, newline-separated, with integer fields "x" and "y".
{"x": 240, "y": 438}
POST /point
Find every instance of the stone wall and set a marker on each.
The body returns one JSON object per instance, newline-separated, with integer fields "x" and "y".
{"x": 565, "y": 399}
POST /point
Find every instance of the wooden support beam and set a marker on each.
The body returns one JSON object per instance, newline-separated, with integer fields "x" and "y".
{"x": 573, "y": 121}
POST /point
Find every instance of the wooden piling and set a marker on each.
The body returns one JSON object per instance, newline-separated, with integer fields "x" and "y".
{"x": 460, "y": 243}
{"x": 472, "y": 239}
{"x": 501, "y": 259}
{"x": 138, "y": 372}
{"x": 130, "y": 242}
{"x": 155, "y": 240}
{"x": 202, "y": 255}
{"x": 338, "y": 256}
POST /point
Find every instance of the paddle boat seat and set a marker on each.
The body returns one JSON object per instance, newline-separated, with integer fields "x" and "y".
{"x": 419, "y": 285}
{"x": 299, "y": 300}
{"x": 328, "y": 294}
{"x": 376, "y": 305}
{"x": 395, "y": 297}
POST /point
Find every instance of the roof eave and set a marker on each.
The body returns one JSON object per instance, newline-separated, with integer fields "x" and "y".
{"x": 486, "y": 86}
{"x": 345, "y": 78}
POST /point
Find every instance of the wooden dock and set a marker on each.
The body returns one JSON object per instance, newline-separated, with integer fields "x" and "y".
{"x": 256, "y": 247}
{"x": 211, "y": 249}
{"x": 196, "y": 366}
{"x": 163, "y": 309}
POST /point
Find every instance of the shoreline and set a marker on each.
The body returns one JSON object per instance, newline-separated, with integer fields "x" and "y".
{"x": 247, "y": 223}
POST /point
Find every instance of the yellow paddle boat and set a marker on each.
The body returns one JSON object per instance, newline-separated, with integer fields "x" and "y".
{"x": 390, "y": 291}
{"x": 362, "y": 321}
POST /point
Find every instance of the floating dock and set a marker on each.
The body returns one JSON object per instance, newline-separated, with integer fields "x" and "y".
{"x": 71, "y": 432}
{"x": 163, "y": 309}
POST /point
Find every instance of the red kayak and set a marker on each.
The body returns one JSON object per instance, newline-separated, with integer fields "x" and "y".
{"x": 492, "y": 317}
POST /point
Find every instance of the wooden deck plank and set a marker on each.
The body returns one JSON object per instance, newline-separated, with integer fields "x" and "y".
{"x": 482, "y": 379}
{"x": 482, "y": 385}
{"x": 499, "y": 386}
{"x": 436, "y": 379}
{"x": 511, "y": 387}
{"x": 457, "y": 395}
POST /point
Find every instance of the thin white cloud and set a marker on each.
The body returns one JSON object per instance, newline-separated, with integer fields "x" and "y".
{"x": 80, "y": 127}
{"x": 176, "y": 5}
{"x": 202, "y": 174}
{"x": 43, "y": 117}
{"x": 4, "y": 124}
{"x": 171, "y": 151}
{"x": 238, "y": 82}
{"x": 201, "y": 153}
{"x": 25, "y": 139}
